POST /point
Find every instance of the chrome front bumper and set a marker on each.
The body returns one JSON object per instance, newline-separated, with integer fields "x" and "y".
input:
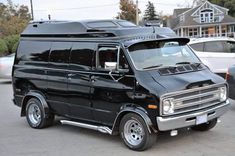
{"x": 171, "y": 123}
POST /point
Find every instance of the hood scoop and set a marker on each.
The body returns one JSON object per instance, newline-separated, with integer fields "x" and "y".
{"x": 180, "y": 69}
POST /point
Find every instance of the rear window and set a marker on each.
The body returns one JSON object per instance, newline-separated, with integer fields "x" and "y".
{"x": 214, "y": 46}
{"x": 197, "y": 46}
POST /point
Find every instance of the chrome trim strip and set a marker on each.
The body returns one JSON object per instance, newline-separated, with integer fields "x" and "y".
{"x": 102, "y": 129}
{"x": 70, "y": 70}
{"x": 196, "y": 96}
{"x": 196, "y": 103}
{"x": 190, "y": 110}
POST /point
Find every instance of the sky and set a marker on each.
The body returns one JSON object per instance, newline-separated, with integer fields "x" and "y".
{"x": 92, "y": 9}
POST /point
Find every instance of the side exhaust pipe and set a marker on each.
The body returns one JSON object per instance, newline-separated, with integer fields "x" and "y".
{"x": 102, "y": 129}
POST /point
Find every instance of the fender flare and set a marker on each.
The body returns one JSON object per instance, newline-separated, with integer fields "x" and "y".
{"x": 137, "y": 110}
{"x": 37, "y": 95}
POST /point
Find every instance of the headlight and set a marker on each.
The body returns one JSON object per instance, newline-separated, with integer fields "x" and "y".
{"x": 222, "y": 93}
{"x": 168, "y": 106}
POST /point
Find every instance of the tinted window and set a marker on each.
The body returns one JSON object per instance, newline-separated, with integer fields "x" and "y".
{"x": 126, "y": 24}
{"x": 123, "y": 64}
{"x": 197, "y": 46}
{"x": 106, "y": 54}
{"x": 60, "y": 52}
{"x": 216, "y": 46}
{"x": 101, "y": 24}
{"x": 81, "y": 56}
{"x": 33, "y": 51}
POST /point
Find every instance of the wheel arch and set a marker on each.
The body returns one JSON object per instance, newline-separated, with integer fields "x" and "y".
{"x": 137, "y": 110}
{"x": 37, "y": 95}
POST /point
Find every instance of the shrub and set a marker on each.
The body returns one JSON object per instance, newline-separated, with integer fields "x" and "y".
{"x": 14, "y": 48}
{"x": 3, "y": 47}
{"x": 11, "y": 41}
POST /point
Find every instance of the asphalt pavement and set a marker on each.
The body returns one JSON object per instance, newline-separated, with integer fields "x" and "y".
{"x": 18, "y": 139}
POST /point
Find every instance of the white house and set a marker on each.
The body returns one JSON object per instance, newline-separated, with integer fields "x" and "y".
{"x": 205, "y": 20}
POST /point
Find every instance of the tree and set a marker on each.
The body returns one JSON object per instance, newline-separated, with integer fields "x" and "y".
{"x": 150, "y": 13}
{"x": 11, "y": 41}
{"x": 13, "y": 18}
{"x": 229, "y": 4}
{"x": 128, "y": 10}
{"x": 197, "y": 2}
{"x": 3, "y": 47}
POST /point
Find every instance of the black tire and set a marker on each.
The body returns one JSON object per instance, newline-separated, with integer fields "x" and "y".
{"x": 133, "y": 140}
{"x": 206, "y": 126}
{"x": 35, "y": 115}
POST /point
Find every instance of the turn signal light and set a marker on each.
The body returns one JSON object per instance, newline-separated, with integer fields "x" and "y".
{"x": 152, "y": 106}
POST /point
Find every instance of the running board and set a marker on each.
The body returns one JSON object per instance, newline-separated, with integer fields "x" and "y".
{"x": 102, "y": 129}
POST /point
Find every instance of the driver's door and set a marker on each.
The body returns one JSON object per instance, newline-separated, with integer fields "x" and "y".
{"x": 109, "y": 88}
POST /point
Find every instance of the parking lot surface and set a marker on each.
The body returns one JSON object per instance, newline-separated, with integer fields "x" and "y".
{"x": 18, "y": 139}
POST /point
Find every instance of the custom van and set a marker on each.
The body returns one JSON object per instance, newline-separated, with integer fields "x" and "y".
{"x": 114, "y": 77}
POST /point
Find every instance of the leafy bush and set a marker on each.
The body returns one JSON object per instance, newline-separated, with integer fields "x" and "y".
{"x": 14, "y": 48}
{"x": 3, "y": 47}
{"x": 11, "y": 41}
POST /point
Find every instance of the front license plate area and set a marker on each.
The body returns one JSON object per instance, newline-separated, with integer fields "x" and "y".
{"x": 201, "y": 119}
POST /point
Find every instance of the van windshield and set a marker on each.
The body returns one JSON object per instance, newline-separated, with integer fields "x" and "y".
{"x": 157, "y": 54}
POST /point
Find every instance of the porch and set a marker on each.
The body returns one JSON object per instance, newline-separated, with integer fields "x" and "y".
{"x": 207, "y": 31}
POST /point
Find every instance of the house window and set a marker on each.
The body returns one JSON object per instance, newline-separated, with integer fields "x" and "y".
{"x": 207, "y": 16}
{"x": 205, "y": 32}
{"x": 192, "y": 32}
{"x": 182, "y": 18}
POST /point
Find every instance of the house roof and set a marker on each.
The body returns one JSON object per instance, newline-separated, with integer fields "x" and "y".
{"x": 189, "y": 20}
{"x": 179, "y": 11}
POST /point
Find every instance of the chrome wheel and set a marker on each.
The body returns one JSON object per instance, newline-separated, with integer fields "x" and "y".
{"x": 133, "y": 132}
{"x": 34, "y": 114}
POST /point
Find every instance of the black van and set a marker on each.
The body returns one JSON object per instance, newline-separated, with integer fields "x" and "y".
{"x": 116, "y": 78}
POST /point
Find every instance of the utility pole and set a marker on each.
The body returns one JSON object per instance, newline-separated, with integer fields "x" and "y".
{"x": 31, "y": 3}
{"x": 137, "y": 13}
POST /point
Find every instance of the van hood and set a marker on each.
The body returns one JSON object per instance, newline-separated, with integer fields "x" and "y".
{"x": 159, "y": 85}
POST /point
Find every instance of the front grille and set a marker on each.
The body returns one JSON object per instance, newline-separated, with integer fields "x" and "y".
{"x": 194, "y": 99}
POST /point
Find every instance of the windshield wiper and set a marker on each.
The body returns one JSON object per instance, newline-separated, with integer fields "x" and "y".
{"x": 154, "y": 66}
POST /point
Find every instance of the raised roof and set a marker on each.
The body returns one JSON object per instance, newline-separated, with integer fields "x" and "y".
{"x": 91, "y": 28}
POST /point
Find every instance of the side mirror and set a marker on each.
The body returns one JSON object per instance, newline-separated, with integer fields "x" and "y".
{"x": 112, "y": 66}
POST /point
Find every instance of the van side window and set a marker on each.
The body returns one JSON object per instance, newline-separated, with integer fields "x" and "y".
{"x": 60, "y": 52}
{"x": 123, "y": 64}
{"x": 214, "y": 46}
{"x": 33, "y": 51}
{"x": 106, "y": 54}
{"x": 197, "y": 46}
{"x": 81, "y": 56}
